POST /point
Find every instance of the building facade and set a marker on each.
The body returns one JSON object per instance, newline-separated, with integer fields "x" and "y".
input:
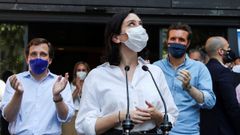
{"x": 76, "y": 27}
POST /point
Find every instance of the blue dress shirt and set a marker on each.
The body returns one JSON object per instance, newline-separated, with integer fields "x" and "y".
{"x": 189, "y": 110}
{"x": 37, "y": 114}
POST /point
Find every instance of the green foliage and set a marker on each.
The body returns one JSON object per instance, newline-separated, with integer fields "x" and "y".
{"x": 11, "y": 47}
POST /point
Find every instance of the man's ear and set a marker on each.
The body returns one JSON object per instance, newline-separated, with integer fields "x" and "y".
{"x": 188, "y": 44}
{"x": 26, "y": 59}
{"x": 50, "y": 61}
{"x": 116, "y": 39}
{"x": 220, "y": 52}
{"x": 165, "y": 43}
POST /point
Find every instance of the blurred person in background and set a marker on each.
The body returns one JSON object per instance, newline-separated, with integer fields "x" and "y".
{"x": 4, "y": 123}
{"x": 80, "y": 72}
{"x": 224, "y": 117}
{"x": 195, "y": 54}
{"x": 236, "y": 67}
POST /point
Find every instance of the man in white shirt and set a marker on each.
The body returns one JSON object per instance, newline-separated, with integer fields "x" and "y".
{"x": 36, "y": 102}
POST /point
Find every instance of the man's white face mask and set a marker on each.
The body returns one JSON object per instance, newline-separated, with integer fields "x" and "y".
{"x": 137, "y": 38}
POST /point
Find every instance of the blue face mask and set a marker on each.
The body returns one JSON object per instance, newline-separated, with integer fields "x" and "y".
{"x": 176, "y": 50}
{"x": 38, "y": 66}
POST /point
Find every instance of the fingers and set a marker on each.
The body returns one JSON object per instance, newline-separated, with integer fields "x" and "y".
{"x": 149, "y": 104}
{"x": 59, "y": 78}
{"x": 77, "y": 79}
{"x": 13, "y": 80}
{"x": 65, "y": 80}
{"x": 66, "y": 76}
{"x": 16, "y": 85}
{"x": 60, "y": 84}
{"x": 184, "y": 76}
{"x": 140, "y": 117}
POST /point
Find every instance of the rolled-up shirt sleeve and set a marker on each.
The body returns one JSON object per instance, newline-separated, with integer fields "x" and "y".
{"x": 205, "y": 85}
{"x": 67, "y": 98}
{"x": 7, "y": 94}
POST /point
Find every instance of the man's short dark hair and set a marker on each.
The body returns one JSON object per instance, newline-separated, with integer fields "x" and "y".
{"x": 38, "y": 41}
{"x": 181, "y": 26}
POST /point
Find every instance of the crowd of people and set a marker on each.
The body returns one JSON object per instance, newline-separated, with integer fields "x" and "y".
{"x": 184, "y": 94}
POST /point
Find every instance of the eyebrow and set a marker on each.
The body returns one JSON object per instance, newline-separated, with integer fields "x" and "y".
{"x": 140, "y": 21}
{"x": 81, "y": 69}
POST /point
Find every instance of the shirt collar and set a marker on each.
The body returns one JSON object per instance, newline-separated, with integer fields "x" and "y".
{"x": 141, "y": 62}
{"x": 27, "y": 74}
{"x": 187, "y": 61}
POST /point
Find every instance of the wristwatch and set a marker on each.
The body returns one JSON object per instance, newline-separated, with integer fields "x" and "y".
{"x": 188, "y": 87}
{"x": 58, "y": 99}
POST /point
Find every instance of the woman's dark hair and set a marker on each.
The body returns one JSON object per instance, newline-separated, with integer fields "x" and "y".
{"x": 113, "y": 27}
{"x": 145, "y": 54}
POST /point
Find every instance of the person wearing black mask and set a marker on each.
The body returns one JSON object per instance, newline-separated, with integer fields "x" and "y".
{"x": 224, "y": 118}
{"x": 228, "y": 58}
{"x": 189, "y": 81}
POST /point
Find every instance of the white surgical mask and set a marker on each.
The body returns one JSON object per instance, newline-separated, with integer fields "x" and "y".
{"x": 82, "y": 75}
{"x": 137, "y": 38}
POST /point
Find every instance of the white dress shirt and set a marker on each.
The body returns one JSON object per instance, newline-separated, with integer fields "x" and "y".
{"x": 37, "y": 114}
{"x": 2, "y": 88}
{"x": 104, "y": 93}
{"x": 236, "y": 68}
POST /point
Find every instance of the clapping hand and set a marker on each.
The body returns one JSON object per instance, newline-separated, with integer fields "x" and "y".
{"x": 78, "y": 86}
{"x": 60, "y": 84}
{"x": 16, "y": 85}
{"x": 185, "y": 77}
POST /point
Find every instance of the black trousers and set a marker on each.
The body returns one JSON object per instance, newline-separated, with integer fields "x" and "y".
{"x": 120, "y": 132}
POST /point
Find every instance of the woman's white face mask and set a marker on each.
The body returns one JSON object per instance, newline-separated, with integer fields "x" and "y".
{"x": 82, "y": 75}
{"x": 137, "y": 38}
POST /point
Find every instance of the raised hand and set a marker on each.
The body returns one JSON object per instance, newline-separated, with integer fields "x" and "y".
{"x": 60, "y": 84}
{"x": 16, "y": 85}
{"x": 78, "y": 83}
{"x": 79, "y": 86}
{"x": 185, "y": 77}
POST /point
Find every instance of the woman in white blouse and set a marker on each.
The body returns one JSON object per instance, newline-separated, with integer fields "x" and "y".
{"x": 104, "y": 100}
{"x": 80, "y": 71}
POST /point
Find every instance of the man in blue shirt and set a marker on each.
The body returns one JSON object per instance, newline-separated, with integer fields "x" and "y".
{"x": 189, "y": 81}
{"x": 36, "y": 102}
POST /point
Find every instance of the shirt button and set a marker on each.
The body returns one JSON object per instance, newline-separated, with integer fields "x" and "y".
{"x": 134, "y": 102}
